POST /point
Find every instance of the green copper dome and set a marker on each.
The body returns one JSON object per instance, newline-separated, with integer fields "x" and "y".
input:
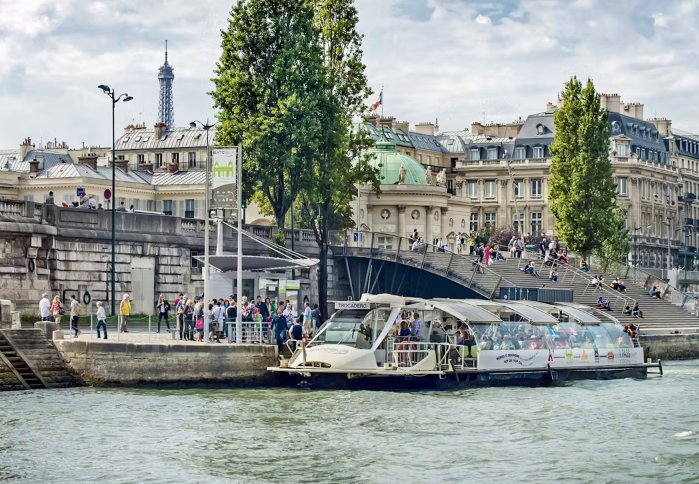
{"x": 388, "y": 161}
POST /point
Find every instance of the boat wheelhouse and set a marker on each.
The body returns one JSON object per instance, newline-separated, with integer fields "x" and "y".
{"x": 386, "y": 341}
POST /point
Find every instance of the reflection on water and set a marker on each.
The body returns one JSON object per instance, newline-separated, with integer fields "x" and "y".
{"x": 587, "y": 432}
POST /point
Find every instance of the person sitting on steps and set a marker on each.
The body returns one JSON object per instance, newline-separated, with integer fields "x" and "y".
{"x": 636, "y": 312}
{"x": 627, "y": 308}
{"x": 654, "y": 292}
{"x": 601, "y": 303}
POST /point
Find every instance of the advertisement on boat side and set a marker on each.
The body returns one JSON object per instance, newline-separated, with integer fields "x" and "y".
{"x": 558, "y": 358}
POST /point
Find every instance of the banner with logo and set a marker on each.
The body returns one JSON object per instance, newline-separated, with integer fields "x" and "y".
{"x": 224, "y": 163}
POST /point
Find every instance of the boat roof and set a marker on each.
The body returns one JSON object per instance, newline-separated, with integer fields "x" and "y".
{"x": 577, "y": 313}
{"x": 466, "y": 311}
{"x": 534, "y": 315}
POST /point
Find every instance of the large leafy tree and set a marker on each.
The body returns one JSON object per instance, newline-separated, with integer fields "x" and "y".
{"x": 267, "y": 86}
{"x": 582, "y": 191}
{"x": 341, "y": 160}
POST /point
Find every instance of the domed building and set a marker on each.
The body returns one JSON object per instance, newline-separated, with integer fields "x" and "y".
{"x": 407, "y": 205}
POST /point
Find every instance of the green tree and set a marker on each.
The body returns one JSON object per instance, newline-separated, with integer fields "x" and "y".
{"x": 341, "y": 160}
{"x": 582, "y": 191}
{"x": 616, "y": 247}
{"x": 266, "y": 87}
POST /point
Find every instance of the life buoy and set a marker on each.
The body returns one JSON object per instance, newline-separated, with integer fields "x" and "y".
{"x": 87, "y": 298}
{"x": 403, "y": 355}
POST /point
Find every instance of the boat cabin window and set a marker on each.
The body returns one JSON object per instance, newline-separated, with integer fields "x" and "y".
{"x": 353, "y": 328}
{"x": 521, "y": 335}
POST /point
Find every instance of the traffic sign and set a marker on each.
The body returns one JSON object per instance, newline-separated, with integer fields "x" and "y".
{"x": 81, "y": 192}
{"x": 107, "y": 194}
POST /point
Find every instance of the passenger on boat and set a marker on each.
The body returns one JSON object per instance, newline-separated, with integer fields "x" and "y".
{"x": 486, "y": 343}
{"x": 587, "y": 344}
{"x": 627, "y": 308}
{"x": 472, "y": 347}
{"x": 631, "y": 330}
{"x": 404, "y": 330}
{"x": 296, "y": 334}
{"x": 534, "y": 343}
{"x": 365, "y": 329}
{"x": 507, "y": 343}
{"x": 461, "y": 336}
{"x": 416, "y": 330}
{"x": 636, "y": 312}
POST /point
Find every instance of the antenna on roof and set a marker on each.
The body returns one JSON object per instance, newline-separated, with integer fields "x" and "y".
{"x": 165, "y": 51}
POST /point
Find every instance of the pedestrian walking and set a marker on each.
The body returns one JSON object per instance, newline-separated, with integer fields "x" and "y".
{"x": 163, "y": 308}
{"x": 74, "y": 315}
{"x": 124, "y": 312}
{"x": 307, "y": 320}
{"x": 45, "y": 308}
{"x": 101, "y": 320}
{"x": 317, "y": 317}
{"x": 57, "y": 310}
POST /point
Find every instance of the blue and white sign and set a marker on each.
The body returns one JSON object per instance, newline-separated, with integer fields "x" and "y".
{"x": 358, "y": 237}
{"x": 81, "y": 192}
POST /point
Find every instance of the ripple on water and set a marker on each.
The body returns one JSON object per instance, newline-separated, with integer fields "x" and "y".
{"x": 586, "y": 432}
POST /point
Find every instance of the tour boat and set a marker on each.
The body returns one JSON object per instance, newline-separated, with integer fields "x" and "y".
{"x": 463, "y": 342}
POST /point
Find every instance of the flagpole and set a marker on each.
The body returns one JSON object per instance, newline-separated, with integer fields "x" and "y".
{"x": 381, "y": 99}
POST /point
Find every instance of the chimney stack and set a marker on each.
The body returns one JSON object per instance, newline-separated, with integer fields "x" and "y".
{"x": 24, "y": 148}
{"x": 173, "y": 166}
{"x": 160, "y": 128}
{"x": 34, "y": 166}
{"x": 123, "y": 165}
{"x": 89, "y": 159}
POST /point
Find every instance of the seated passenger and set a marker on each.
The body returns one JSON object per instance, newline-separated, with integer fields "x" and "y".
{"x": 627, "y": 308}
{"x": 507, "y": 343}
{"x": 587, "y": 344}
{"x": 654, "y": 292}
{"x": 534, "y": 343}
{"x": 486, "y": 343}
{"x": 472, "y": 347}
{"x": 601, "y": 303}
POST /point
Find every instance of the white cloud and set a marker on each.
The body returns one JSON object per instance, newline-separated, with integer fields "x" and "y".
{"x": 433, "y": 56}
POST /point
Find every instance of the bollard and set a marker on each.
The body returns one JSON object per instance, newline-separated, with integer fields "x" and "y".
{"x": 149, "y": 316}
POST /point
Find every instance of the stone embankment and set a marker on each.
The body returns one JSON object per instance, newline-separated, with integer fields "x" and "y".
{"x": 671, "y": 346}
{"x": 114, "y": 363}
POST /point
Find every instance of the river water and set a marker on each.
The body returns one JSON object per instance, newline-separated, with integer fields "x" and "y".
{"x": 586, "y": 432}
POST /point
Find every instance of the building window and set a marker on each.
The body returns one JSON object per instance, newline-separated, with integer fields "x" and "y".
{"x": 150, "y": 205}
{"x": 159, "y": 159}
{"x": 189, "y": 209}
{"x": 135, "y": 204}
{"x": 490, "y": 189}
{"x": 428, "y": 160}
{"x": 520, "y": 153}
{"x": 536, "y": 223}
{"x": 29, "y": 198}
{"x": 192, "y": 159}
{"x": 475, "y": 154}
{"x": 540, "y": 129}
{"x": 196, "y": 264}
{"x": 167, "y": 207}
{"x": 385, "y": 242}
{"x": 474, "y": 222}
{"x": 473, "y": 190}
{"x": 451, "y": 189}
{"x": 518, "y": 189}
{"x": 492, "y": 153}
{"x": 518, "y": 219}
{"x": 536, "y": 188}
{"x": 622, "y": 150}
{"x": 490, "y": 220}
{"x": 419, "y": 158}
{"x": 538, "y": 152}
{"x": 175, "y": 157}
{"x": 141, "y": 159}
{"x": 621, "y": 185}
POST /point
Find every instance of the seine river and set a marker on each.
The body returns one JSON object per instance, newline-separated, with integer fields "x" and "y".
{"x": 587, "y": 432}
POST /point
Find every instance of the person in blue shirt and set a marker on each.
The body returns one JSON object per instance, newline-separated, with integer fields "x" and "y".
{"x": 279, "y": 328}
{"x": 404, "y": 330}
{"x": 416, "y": 330}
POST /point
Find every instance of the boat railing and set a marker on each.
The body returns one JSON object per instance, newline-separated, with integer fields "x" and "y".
{"x": 406, "y": 352}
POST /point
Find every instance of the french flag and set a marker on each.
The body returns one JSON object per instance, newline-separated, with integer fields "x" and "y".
{"x": 379, "y": 102}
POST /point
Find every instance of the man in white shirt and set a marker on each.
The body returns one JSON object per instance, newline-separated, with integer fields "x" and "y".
{"x": 307, "y": 320}
{"x": 74, "y": 315}
{"x": 45, "y": 308}
{"x": 92, "y": 202}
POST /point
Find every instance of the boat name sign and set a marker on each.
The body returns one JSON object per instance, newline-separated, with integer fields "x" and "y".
{"x": 352, "y": 305}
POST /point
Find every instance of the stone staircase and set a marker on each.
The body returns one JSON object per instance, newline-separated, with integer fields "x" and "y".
{"x": 658, "y": 314}
{"x": 29, "y": 361}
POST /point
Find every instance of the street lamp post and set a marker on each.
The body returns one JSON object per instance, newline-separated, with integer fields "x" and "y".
{"x": 207, "y": 202}
{"x": 686, "y": 236}
{"x": 115, "y": 99}
{"x": 635, "y": 245}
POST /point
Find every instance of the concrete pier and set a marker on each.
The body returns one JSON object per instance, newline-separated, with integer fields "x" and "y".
{"x": 177, "y": 364}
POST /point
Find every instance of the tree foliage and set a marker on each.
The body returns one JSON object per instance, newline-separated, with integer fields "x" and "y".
{"x": 582, "y": 191}
{"x": 266, "y": 87}
{"x": 616, "y": 247}
{"x": 341, "y": 160}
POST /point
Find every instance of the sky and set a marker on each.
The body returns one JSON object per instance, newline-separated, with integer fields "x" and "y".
{"x": 455, "y": 61}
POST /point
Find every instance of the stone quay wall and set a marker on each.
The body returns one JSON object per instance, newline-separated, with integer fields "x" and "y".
{"x": 190, "y": 364}
{"x": 671, "y": 346}
{"x": 67, "y": 251}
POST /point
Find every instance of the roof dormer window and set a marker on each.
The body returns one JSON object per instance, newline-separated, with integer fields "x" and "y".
{"x": 145, "y": 138}
{"x": 137, "y": 138}
{"x": 540, "y": 129}
{"x": 125, "y": 140}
